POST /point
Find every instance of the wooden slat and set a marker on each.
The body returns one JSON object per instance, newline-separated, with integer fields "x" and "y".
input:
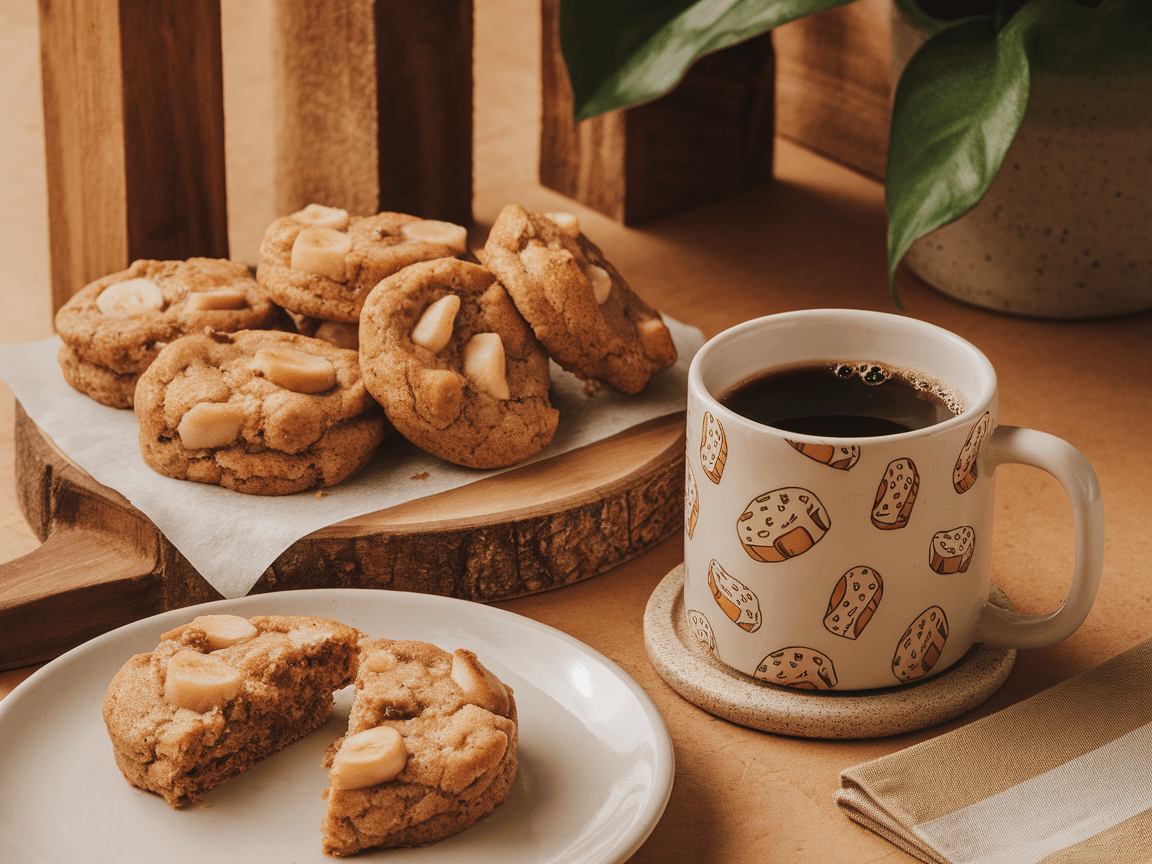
{"x": 374, "y": 106}
{"x": 134, "y": 134}
{"x": 709, "y": 138}
{"x": 833, "y": 83}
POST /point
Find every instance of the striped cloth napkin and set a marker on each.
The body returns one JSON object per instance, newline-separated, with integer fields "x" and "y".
{"x": 1062, "y": 777}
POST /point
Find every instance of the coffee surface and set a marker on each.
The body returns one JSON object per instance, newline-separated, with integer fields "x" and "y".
{"x": 841, "y": 399}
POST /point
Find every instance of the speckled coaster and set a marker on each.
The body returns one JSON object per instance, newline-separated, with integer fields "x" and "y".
{"x": 718, "y": 689}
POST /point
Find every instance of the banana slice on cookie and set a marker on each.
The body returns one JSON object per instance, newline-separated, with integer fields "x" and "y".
{"x": 455, "y": 366}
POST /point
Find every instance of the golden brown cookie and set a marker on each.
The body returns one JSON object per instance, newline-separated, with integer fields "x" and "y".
{"x": 220, "y": 694}
{"x": 431, "y": 749}
{"x": 580, "y": 307}
{"x": 322, "y": 263}
{"x": 455, "y": 366}
{"x": 262, "y": 412}
{"x": 113, "y": 328}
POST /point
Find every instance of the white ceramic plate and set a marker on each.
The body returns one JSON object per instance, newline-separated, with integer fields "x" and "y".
{"x": 596, "y": 761}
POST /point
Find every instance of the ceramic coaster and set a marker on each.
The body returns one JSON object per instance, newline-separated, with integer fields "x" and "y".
{"x": 706, "y": 682}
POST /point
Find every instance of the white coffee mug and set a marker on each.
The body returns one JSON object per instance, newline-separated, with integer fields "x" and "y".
{"x": 826, "y": 563}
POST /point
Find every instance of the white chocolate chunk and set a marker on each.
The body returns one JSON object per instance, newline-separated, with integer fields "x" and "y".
{"x": 210, "y": 424}
{"x": 200, "y": 682}
{"x": 223, "y": 630}
{"x": 601, "y": 281}
{"x": 435, "y": 231}
{"x": 480, "y": 686}
{"x": 301, "y": 637}
{"x": 434, "y": 328}
{"x": 367, "y": 758}
{"x": 219, "y": 298}
{"x": 324, "y": 217}
{"x": 656, "y": 338}
{"x": 295, "y": 370}
{"x": 569, "y": 223}
{"x": 321, "y": 251}
{"x": 130, "y": 297}
{"x": 484, "y": 364}
{"x": 380, "y": 661}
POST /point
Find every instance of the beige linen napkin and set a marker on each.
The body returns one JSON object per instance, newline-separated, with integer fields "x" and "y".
{"x": 1062, "y": 777}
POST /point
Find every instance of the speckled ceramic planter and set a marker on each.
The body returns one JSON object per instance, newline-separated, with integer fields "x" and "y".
{"x": 1065, "y": 230}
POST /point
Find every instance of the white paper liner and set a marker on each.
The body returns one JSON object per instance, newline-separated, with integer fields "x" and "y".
{"x": 232, "y": 538}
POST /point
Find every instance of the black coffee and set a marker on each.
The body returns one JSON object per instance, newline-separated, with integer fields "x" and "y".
{"x": 841, "y": 400}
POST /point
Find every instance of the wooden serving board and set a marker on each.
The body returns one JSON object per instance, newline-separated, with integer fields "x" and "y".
{"x": 104, "y": 563}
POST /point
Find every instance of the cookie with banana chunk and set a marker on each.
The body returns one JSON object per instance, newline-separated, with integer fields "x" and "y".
{"x": 588, "y": 318}
{"x": 431, "y": 748}
{"x": 455, "y": 366}
{"x": 260, "y": 412}
{"x": 220, "y": 694}
{"x": 321, "y": 262}
{"x": 113, "y": 328}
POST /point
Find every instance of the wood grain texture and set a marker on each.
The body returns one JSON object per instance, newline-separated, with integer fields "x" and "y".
{"x": 134, "y": 134}
{"x": 709, "y": 138}
{"x": 833, "y": 83}
{"x": 374, "y": 106}
{"x": 540, "y": 527}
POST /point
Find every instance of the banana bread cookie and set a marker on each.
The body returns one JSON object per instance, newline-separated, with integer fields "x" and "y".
{"x": 322, "y": 263}
{"x": 431, "y": 749}
{"x": 113, "y": 329}
{"x": 220, "y": 694}
{"x": 580, "y": 307}
{"x": 455, "y": 366}
{"x": 262, "y": 412}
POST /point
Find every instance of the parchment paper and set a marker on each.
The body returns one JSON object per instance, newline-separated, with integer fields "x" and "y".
{"x": 232, "y": 538}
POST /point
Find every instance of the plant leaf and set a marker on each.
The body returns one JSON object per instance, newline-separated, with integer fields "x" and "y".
{"x": 622, "y": 52}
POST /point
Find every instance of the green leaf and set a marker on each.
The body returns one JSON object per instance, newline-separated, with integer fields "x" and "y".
{"x": 622, "y": 52}
{"x": 963, "y": 95}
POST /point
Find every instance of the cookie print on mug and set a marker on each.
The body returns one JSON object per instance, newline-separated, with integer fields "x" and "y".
{"x": 782, "y": 524}
{"x": 702, "y": 630}
{"x": 854, "y": 601}
{"x": 713, "y": 448}
{"x": 896, "y": 495}
{"x": 734, "y": 598}
{"x": 951, "y": 550}
{"x": 964, "y": 474}
{"x": 799, "y": 668}
{"x": 920, "y": 647}
{"x": 842, "y": 456}
{"x": 691, "y": 502}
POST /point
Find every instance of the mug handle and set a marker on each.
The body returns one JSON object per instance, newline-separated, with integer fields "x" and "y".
{"x": 1012, "y": 444}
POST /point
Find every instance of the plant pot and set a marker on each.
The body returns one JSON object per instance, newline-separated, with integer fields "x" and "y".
{"x": 1065, "y": 229}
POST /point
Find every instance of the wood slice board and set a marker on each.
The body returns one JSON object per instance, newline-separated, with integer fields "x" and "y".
{"x": 104, "y": 563}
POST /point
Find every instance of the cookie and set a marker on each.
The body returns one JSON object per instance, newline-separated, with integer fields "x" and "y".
{"x": 321, "y": 263}
{"x": 455, "y": 366}
{"x": 222, "y": 693}
{"x": 580, "y": 307}
{"x": 431, "y": 748}
{"x": 113, "y": 328}
{"x": 342, "y": 334}
{"x": 261, "y": 412}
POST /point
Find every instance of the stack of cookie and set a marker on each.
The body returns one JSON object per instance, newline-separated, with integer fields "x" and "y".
{"x": 395, "y": 323}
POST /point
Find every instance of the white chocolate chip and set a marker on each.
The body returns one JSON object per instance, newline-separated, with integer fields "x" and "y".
{"x": 566, "y": 222}
{"x": 484, "y": 364}
{"x": 130, "y": 297}
{"x": 380, "y": 661}
{"x": 480, "y": 687}
{"x": 368, "y": 758}
{"x": 656, "y": 339}
{"x": 219, "y": 298}
{"x": 210, "y": 424}
{"x": 321, "y": 251}
{"x": 434, "y": 328}
{"x": 301, "y": 637}
{"x": 324, "y": 217}
{"x": 295, "y": 370}
{"x": 200, "y": 682}
{"x": 601, "y": 281}
{"x": 435, "y": 231}
{"x": 223, "y": 630}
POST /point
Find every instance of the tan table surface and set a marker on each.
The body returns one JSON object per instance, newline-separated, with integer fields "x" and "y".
{"x": 815, "y": 238}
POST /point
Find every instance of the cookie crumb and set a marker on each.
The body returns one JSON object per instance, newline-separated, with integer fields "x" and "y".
{"x": 423, "y": 475}
{"x": 320, "y": 493}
